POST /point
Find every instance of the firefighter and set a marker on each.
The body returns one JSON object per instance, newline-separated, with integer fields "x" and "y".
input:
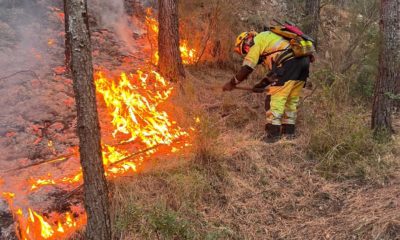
{"x": 286, "y": 77}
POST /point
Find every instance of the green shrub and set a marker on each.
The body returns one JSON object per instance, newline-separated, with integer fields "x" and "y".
{"x": 169, "y": 224}
{"x": 129, "y": 218}
{"x": 363, "y": 87}
{"x": 156, "y": 221}
{"x": 343, "y": 144}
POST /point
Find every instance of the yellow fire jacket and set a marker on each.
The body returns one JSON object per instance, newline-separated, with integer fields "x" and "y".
{"x": 265, "y": 43}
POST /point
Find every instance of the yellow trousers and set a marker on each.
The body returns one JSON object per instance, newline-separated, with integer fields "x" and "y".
{"x": 282, "y": 101}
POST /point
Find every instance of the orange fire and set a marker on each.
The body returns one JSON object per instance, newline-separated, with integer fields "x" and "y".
{"x": 32, "y": 225}
{"x": 188, "y": 55}
{"x": 133, "y": 101}
{"x": 50, "y": 42}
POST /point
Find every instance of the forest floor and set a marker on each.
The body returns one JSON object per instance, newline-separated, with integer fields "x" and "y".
{"x": 237, "y": 187}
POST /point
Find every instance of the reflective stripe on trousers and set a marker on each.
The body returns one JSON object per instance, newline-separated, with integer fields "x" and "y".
{"x": 281, "y": 103}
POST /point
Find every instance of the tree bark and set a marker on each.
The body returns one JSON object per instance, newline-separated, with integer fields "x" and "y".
{"x": 312, "y": 12}
{"x": 170, "y": 61}
{"x": 95, "y": 185}
{"x": 67, "y": 41}
{"x": 389, "y": 66}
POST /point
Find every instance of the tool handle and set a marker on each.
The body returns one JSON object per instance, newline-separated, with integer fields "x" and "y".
{"x": 244, "y": 88}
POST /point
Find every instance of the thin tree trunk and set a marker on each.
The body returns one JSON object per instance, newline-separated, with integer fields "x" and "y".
{"x": 170, "y": 61}
{"x": 389, "y": 66}
{"x": 312, "y": 12}
{"x": 67, "y": 39}
{"x": 95, "y": 185}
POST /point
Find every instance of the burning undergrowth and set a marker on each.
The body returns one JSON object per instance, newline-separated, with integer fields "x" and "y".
{"x": 142, "y": 130}
{"x": 136, "y": 118}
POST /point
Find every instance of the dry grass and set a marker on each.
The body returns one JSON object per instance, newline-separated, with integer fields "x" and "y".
{"x": 234, "y": 186}
{"x": 333, "y": 182}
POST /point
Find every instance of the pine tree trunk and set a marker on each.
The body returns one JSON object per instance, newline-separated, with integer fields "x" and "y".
{"x": 95, "y": 185}
{"x": 312, "y": 12}
{"x": 170, "y": 61}
{"x": 389, "y": 66}
{"x": 67, "y": 39}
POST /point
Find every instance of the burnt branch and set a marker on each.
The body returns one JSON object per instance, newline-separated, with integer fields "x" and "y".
{"x": 20, "y": 72}
{"x": 53, "y": 160}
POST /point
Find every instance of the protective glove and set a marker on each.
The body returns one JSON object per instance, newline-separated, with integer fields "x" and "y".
{"x": 258, "y": 90}
{"x": 260, "y": 87}
{"x": 240, "y": 76}
{"x": 229, "y": 86}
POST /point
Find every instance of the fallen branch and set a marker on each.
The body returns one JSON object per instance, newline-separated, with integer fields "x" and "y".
{"x": 53, "y": 160}
{"x": 67, "y": 196}
{"x": 250, "y": 89}
{"x": 134, "y": 155}
{"x": 67, "y": 156}
{"x": 23, "y": 71}
{"x": 80, "y": 187}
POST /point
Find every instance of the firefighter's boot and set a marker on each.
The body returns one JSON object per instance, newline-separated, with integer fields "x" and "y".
{"x": 289, "y": 131}
{"x": 272, "y": 133}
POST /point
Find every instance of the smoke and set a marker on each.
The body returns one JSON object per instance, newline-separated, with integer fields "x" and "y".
{"x": 112, "y": 15}
{"x": 31, "y": 45}
{"x": 26, "y": 67}
{"x": 21, "y": 33}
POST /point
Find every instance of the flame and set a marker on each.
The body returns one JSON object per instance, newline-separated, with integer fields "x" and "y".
{"x": 51, "y": 146}
{"x": 35, "y": 226}
{"x": 58, "y": 13}
{"x": 42, "y": 182}
{"x": 151, "y": 22}
{"x": 8, "y": 195}
{"x": 133, "y": 101}
{"x": 46, "y": 230}
{"x": 50, "y": 41}
{"x": 188, "y": 55}
{"x": 60, "y": 228}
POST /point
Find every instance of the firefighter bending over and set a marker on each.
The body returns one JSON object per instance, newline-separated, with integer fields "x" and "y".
{"x": 288, "y": 71}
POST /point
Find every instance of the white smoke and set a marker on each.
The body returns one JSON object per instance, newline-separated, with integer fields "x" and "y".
{"x": 111, "y": 14}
